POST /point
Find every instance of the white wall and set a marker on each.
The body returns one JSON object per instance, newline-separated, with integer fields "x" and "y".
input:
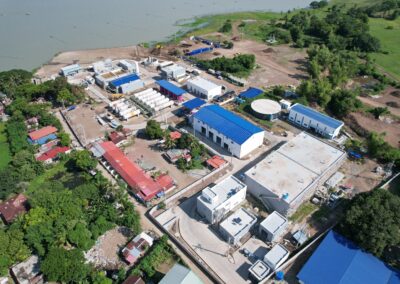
{"x": 237, "y": 150}
{"x": 307, "y": 122}
{"x": 207, "y": 94}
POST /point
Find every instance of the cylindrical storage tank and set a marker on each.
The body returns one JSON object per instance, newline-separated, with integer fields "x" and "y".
{"x": 266, "y": 109}
{"x": 148, "y": 94}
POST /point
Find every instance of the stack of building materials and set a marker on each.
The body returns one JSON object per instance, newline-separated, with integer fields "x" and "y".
{"x": 153, "y": 100}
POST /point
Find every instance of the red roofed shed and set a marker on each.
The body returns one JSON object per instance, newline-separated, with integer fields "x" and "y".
{"x": 52, "y": 154}
{"x": 42, "y": 132}
{"x": 216, "y": 162}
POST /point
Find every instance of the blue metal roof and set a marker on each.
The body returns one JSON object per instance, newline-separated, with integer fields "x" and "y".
{"x": 339, "y": 261}
{"x": 320, "y": 117}
{"x": 123, "y": 80}
{"x": 227, "y": 123}
{"x": 194, "y": 103}
{"x": 251, "y": 93}
{"x": 171, "y": 87}
{"x": 43, "y": 140}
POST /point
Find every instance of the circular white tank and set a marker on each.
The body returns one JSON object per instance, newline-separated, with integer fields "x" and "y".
{"x": 265, "y": 109}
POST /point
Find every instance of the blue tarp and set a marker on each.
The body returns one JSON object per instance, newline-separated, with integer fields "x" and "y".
{"x": 317, "y": 116}
{"x": 251, "y": 93}
{"x": 43, "y": 140}
{"x": 123, "y": 80}
{"x": 338, "y": 261}
{"x": 194, "y": 103}
{"x": 229, "y": 124}
{"x": 171, "y": 87}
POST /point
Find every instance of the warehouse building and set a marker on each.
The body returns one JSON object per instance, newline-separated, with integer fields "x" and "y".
{"x": 276, "y": 256}
{"x": 291, "y": 174}
{"x": 318, "y": 122}
{"x": 203, "y": 88}
{"x": 70, "y": 70}
{"x": 130, "y": 67}
{"x": 338, "y": 260}
{"x": 237, "y": 225}
{"x": 251, "y": 93}
{"x": 173, "y": 72}
{"x": 170, "y": 90}
{"x": 272, "y": 228}
{"x": 180, "y": 274}
{"x": 228, "y": 130}
{"x": 216, "y": 201}
{"x": 126, "y": 84}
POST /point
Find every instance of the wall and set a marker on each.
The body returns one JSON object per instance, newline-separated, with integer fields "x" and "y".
{"x": 255, "y": 141}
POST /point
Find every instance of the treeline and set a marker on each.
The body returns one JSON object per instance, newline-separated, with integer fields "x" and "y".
{"x": 339, "y": 29}
{"x": 388, "y": 9}
{"x": 241, "y": 64}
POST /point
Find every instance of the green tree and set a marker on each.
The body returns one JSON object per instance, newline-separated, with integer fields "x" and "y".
{"x": 12, "y": 248}
{"x": 373, "y": 221}
{"x": 65, "y": 140}
{"x": 83, "y": 160}
{"x": 81, "y": 237}
{"x": 153, "y": 129}
{"x": 10, "y": 80}
{"x": 343, "y": 102}
{"x": 169, "y": 143}
{"x": 65, "y": 97}
{"x": 226, "y": 27}
{"x": 64, "y": 265}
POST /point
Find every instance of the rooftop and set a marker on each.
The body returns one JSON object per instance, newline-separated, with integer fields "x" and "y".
{"x": 240, "y": 220}
{"x": 292, "y": 168}
{"x": 251, "y": 93}
{"x": 275, "y": 255}
{"x": 52, "y": 153}
{"x": 216, "y": 161}
{"x": 273, "y": 222}
{"x": 338, "y": 260}
{"x": 214, "y": 196}
{"x": 312, "y": 113}
{"x": 13, "y": 207}
{"x": 266, "y": 106}
{"x": 171, "y": 87}
{"x": 203, "y": 83}
{"x": 70, "y": 68}
{"x": 259, "y": 270}
{"x": 229, "y": 124}
{"x": 124, "y": 80}
{"x": 28, "y": 272}
{"x": 42, "y": 132}
{"x": 194, "y": 103}
{"x": 180, "y": 275}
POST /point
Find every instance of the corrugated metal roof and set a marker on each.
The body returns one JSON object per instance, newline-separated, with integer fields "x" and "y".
{"x": 42, "y": 132}
{"x": 194, "y": 103}
{"x": 229, "y": 124}
{"x": 123, "y": 80}
{"x": 171, "y": 87}
{"x": 320, "y": 117}
{"x": 180, "y": 275}
{"x": 71, "y": 68}
{"x": 251, "y": 93}
{"x": 338, "y": 260}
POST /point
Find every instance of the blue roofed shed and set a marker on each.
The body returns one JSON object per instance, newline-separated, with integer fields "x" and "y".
{"x": 193, "y": 104}
{"x": 251, "y": 93}
{"x": 338, "y": 261}
{"x": 123, "y": 80}
{"x": 171, "y": 90}
{"x": 231, "y": 125}
{"x": 43, "y": 140}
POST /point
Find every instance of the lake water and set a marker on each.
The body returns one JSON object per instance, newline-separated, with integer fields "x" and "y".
{"x": 32, "y": 31}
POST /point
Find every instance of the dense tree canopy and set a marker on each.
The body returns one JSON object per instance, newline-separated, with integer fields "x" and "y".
{"x": 153, "y": 129}
{"x": 373, "y": 221}
{"x": 242, "y": 63}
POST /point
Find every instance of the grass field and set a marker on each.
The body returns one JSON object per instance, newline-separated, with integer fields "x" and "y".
{"x": 303, "y": 211}
{"x": 390, "y": 41}
{"x": 5, "y": 155}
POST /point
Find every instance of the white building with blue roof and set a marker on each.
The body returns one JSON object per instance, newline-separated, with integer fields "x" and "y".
{"x": 228, "y": 130}
{"x": 318, "y": 122}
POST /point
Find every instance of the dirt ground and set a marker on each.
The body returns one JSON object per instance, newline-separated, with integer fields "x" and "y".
{"x": 360, "y": 175}
{"x": 278, "y": 65}
{"x": 386, "y": 99}
{"x": 390, "y": 126}
{"x": 105, "y": 253}
{"x": 144, "y": 153}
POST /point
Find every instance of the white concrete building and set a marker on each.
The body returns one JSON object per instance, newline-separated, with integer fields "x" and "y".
{"x": 203, "y": 88}
{"x": 228, "y": 130}
{"x": 175, "y": 72}
{"x": 216, "y": 201}
{"x": 258, "y": 271}
{"x": 272, "y": 227}
{"x": 237, "y": 225}
{"x": 318, "y": 122}
{"x": 276, "y": 256}
{"x": 291, "y": 174}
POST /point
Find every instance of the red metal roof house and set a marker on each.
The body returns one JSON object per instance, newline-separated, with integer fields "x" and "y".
{"x": 52, "y": 154}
